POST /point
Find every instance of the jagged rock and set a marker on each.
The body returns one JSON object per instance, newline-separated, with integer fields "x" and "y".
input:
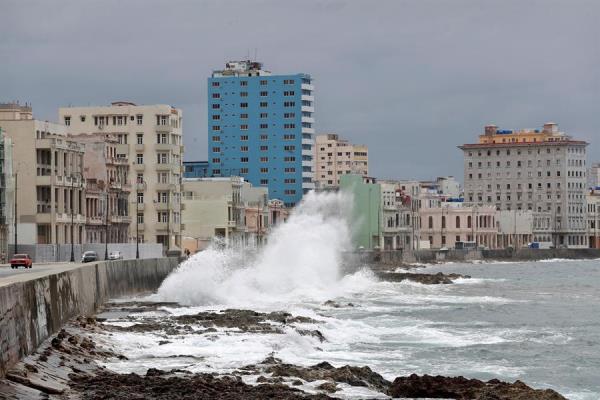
{"x": 328, "y": 387}
{"x": 426, "y": 279}
{"x": 462, "y": 388}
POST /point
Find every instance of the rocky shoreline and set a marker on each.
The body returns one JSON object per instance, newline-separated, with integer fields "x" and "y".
{"x": 69, "y": 365}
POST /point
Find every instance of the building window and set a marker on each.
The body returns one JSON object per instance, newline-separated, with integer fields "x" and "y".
{"x": 264, "y": 181}
{"x": 243, "y": 105}
{"x": 289, "y": 104}
{"x": 244, "y": 116}
{"x": 216, "y": 95}
{"x": 140, "y": 218}
{"x": 264, "y": 126}
{"x": 215, "y": 84}
{"x": 243, "y": 170}
{"x": 140, "y": 198}
{"x": 244, "y": 127}
{"x": 264, "y": 148}
{"x": 458, "y": 221}
{"x": 216, "y": 160}
{"x": 264, "y": 115}
{"x": 162, "y": 158}
{"x": 263, "y": 82}
{"x": 68, "y": 121}
{"x": 243, "y": 83}
{"x": 216, "y": 117}
{"x": 264, "y": 94}
{"x": 289, "y": 115}
{"x": 264, "y": 170}
{"x": 243, "y": 94}
{"x": 244, "y": 148}
{"x": 216, "y": 149}
{"x": 244, "y": 137}
{"x": 264, "y": 159}
{"x": 162, "y": 138}
{"x": 216, "y": 106}
{"x": 244, "y": 159}
{"x": 430, "y": 222}
{"x": 216, "y": 138}
{"x": 264, "y": 104}
{"x": 139, "y": 158}
{"x": 216, "y": 128}
{"x": 264, "y": 137}
{"x": 139, "y": 119}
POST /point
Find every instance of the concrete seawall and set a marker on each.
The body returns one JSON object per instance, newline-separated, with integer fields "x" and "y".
{"x": 33, "y": 307}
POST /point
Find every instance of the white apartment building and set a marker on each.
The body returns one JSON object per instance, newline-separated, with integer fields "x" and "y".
{"x": 543, "y": 171}
{"x": 48, "y": 168}
{"x": 335, "y": 157}
{"x": 150, "y": 137}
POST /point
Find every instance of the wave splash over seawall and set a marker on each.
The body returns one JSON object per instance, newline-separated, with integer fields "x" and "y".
{"x": 301, "y": 261}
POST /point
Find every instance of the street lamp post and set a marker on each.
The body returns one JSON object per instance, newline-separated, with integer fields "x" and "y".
{"x": 16, "y": 250}
{"x": 106, "y": 225}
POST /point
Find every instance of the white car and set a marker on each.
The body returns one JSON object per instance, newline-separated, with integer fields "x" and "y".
{"x": 115, "y": 255}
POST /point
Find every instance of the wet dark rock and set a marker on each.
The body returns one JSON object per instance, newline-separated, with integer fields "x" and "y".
{"x": 334, "y": 304}
{"x": 353, "y": 376}
{"x": 155, "y": 372}
{"x": 163, "y": 342}
{"x": 106, "y": 385}
{"x": 426, "y": 279}
{"x": 314, "y": 333}
{"x": 328, "y": 387}
{"x": 466, "y": 389}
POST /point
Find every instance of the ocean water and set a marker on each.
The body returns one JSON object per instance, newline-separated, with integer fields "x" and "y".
{"x": 538, "y": 322}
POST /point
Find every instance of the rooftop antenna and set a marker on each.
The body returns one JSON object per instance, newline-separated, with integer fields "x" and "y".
{"x": 255, "y": 54}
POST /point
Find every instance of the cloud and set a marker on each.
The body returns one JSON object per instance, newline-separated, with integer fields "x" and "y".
{"x": 412, "y": 79}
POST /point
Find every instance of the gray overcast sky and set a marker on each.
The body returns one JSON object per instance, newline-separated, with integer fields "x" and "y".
{"x": 411, "y": 79}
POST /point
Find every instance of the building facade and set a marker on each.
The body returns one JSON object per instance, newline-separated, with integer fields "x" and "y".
{"x": 593, "y": 204}
{"x": 6, "y": 195}
{"x": 382, "y": 216}
{"x": 335, "y": 157}
{"x": 543, "y": 171}
{"x": 49, "y": 185}
{"x": 260, "y": 127}
{"x": 150, "y": 138}
{"x": 594, "y": 176}
{"x": 195, "y": 169}
{"x": 108, "y": 189}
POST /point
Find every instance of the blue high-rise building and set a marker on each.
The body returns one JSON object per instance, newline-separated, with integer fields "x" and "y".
{"x": 195, "y": 169}
{"x": 260, "y": 127}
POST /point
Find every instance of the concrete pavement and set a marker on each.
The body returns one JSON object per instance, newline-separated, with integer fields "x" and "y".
{"x": 9, "y": 275}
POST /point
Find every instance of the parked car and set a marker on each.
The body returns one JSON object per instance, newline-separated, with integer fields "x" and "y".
{"x": 21, "y": 260}
{"x": 115, "y": 255}
{"x": 89, "y": 256}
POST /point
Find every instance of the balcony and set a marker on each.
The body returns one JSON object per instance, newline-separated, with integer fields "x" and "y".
{"x": 182, "y": 227}
{"x": 141, "y": 227}
{"x": 165, "y": 187}
{"x": 94, "y": 220}
{"x": 231, "y": 224}
{"x": 161, "y": 226}
{"x": 138, "y": 167}
{"x": 164, "y": 167}
{"x": 182, "y": 207}
{"x": 140, "y": 187}
{"x": 140, "y": 147}
{"x": 165, "y": 147}
{"x": 162, "y": 206}
{"x": 141, "y": 206}
{"x": 163, "y": 128}
{"x": 122, "y": 148}
{"x": 120, "y": 219}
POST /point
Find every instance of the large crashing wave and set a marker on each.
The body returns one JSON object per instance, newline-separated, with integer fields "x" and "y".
{"x": 302, "y": 260}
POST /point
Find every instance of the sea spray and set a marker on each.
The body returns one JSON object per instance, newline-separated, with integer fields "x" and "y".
{"x": 302, "y": 260}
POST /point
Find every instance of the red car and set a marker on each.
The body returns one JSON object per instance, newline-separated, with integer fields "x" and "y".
{"x": 21, "y": 260}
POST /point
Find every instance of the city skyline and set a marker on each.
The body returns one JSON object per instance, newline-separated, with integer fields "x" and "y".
{"x": 391, "y": 82}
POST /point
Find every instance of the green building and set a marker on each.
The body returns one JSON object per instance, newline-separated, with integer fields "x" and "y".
{"x": 366, "y": 209}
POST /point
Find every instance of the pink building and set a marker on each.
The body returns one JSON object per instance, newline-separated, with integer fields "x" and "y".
{"x": 452, "y": 222}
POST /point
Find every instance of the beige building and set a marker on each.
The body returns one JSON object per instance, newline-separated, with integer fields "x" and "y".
{"x": 108, "y": 189}
{"x": 540, "y": 170}
{"x": 7, "y": 194}
{"x": 449, "y": 223}
{"x": 593, "y": 204}
{"x": 335, "y": 157}
{"x": 48, "y": 167}
{"x": 230, "y": 210}
{"x": 150, "y": 137}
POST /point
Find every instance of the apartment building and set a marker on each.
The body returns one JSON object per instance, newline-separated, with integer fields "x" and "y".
{"x": 382, "y": 217}
{"x": 449, "y": 222}
{"x": 108, "y": 188}
{"x": 542, "y": 170}
{"x": 335, "y": 157}
{"x": 48, "y": 169}
{"x": 594, "y": 176}
{"x": 6, "y": 195}
{"x": 150, "y": 138}
{"x": 260, "y": 127}
{"x": 195, "y": 169}
{"x": 593, "y": 212}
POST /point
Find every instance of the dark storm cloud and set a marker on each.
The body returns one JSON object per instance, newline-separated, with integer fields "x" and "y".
{"x": 412, "y": 79}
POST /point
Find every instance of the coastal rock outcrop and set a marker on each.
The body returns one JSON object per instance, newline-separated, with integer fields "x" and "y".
{"x": 426, "y": 279}
{"x": 460, "y": 388}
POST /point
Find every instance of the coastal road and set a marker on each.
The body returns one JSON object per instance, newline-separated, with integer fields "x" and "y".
{"x": 9, "y": 275}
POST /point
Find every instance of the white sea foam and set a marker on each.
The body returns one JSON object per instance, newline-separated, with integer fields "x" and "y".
{"x": 302, "y": 261}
